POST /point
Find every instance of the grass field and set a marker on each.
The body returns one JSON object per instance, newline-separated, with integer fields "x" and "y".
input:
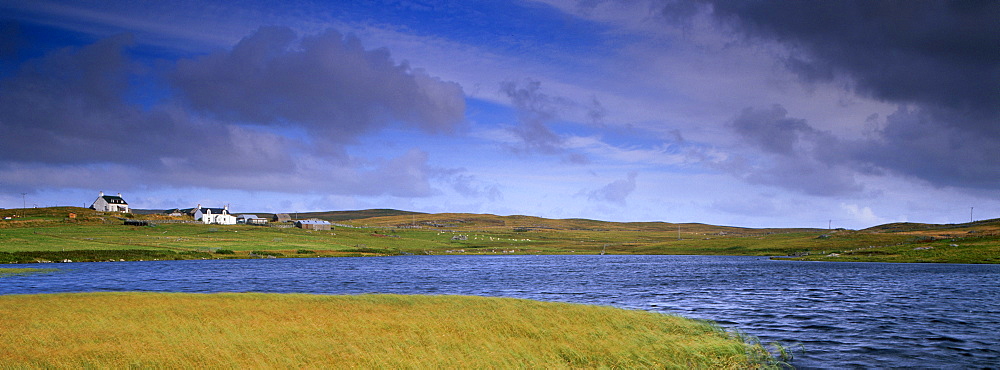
{"x": 22, "y": 271}
{"x": 242, "y": 330}
{"x": 48, "y": 234}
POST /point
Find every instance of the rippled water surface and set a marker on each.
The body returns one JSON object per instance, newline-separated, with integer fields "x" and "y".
{"x": 845, "y": 314}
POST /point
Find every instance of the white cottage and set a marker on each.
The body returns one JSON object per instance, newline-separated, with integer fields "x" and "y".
{"x": 110, "y": 203}
{"x": 219, "y": 216}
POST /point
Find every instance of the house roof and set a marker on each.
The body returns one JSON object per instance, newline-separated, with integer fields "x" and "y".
{"x": 213, "y": 214}
{"x": 313, "y": 222}
{"x": 215, "y": 211}
{"x": 248, "y": 216}
{"x": 113, "y": 199}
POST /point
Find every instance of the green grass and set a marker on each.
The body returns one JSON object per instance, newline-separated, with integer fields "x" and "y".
{"x": 23, "y": 271}
{"x": 233, "y": 330}
{"x": 953, "y": 250}
{"x": 49, "y": 230}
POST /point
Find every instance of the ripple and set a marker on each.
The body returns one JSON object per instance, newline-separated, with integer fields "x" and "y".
{"x": 861, "y": 315}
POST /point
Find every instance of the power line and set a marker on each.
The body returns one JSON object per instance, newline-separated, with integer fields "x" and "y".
{"x": 24, "y": 204}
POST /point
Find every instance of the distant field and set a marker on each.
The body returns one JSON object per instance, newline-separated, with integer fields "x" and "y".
{"x": 4, "y": 271}
{"x": 172, "y": 330}
{"x": 48, "y": 234}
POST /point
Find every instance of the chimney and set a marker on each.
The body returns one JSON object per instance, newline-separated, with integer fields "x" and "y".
{"x": 101, "y": 194}
{"x": 119, "y": 195}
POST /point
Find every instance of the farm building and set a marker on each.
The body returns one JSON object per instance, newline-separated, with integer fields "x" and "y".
{"x": 251, "y": 220}
{"x": 110, "y": 203}
{"x": 176, "y": 212}
{"x": 312, "y": 224}
{"x": 282, "y": 217}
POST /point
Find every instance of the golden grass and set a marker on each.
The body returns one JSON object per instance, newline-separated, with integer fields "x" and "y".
{"x": 249, "y": 330}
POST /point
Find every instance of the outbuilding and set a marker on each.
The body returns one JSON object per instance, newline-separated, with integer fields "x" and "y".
{"x": 312, "y": 224}
{"x": 251, "y": 220}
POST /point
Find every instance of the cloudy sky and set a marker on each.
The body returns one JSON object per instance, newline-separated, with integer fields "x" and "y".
{"x": 760, "y": 114}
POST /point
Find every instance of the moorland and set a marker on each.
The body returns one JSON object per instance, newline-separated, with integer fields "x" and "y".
{"x": 51, "y": 235}
{"x": 135, "y": 329}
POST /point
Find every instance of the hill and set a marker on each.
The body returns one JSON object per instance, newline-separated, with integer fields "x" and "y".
{"x": 332, "y": 216}
{"x": 337, "y": 216}
{"x": 982, "y": 226}
{"x": 465, "y": 221}
{"x": 51, "y": 234}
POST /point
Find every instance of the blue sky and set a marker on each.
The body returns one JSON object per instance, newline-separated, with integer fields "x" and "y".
{"x": 759, "y": 114}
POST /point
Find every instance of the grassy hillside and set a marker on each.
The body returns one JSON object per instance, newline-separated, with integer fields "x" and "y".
{"x": 170, "y": 330}
{"x": 49, "y": 234}
{"x": 337, "y": 216}
{"x": 973, "y": 242}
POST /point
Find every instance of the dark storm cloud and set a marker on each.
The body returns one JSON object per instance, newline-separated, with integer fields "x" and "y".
{"x": 71, "y": 114}
{"x": 938, "y": 60}
{"x": 328, "y": 83}
{"x": 69, "y": 107}
{"x": 941, "y": 54}
{"x": 792, "y": 154}
{"x": 929, "y": 147}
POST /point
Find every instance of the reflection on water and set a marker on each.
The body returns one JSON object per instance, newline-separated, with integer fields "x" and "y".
{"x": 845, "y": 314}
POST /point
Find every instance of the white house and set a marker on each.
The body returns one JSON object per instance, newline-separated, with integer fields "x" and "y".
{"x": 219, "y": 216}
{"x": 110, "y": 203}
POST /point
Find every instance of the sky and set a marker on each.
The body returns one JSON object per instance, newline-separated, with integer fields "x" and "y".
{"x": 742, "y": 113}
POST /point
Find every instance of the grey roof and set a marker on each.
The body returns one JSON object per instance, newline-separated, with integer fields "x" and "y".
{"x": 313, "y": 222}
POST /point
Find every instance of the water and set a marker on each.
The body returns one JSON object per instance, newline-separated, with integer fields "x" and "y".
{"x": 864, "y": 315}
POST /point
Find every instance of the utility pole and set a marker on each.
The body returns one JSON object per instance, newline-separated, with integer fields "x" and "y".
{"x": 970, "y": 214}
{"x": 829, "y": 225}
{"x": 24, "y": 204}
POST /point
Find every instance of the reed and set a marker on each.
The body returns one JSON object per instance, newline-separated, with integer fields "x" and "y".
{"x": 249, "y": 330}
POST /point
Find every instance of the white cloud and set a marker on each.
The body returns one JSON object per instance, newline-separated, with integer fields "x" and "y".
{"x": 862, "y": 214}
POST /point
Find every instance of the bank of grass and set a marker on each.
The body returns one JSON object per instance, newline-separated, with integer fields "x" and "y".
{"x": 249, "y": 330}
{"x": 949, "y": 250}
{"x": 22, "y": 271}
{"x": 48, "y": 234}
